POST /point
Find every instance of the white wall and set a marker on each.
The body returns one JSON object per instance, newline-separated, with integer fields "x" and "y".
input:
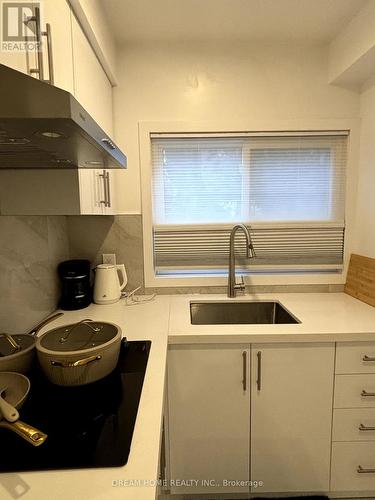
{"x": 352, "y": 51}
{"x": 212, "y": 82}
{"x": 365, "y": 226}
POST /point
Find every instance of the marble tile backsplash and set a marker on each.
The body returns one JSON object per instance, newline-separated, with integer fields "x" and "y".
{"x": 32, "y": 246}
{"x": 30, "y": 249}
{"x": 92, "y": 235}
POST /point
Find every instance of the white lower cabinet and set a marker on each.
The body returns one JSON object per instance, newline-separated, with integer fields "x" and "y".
{"x": 209, "y": 417}
{"x": 291, "y": 400}
{"x": 353, "y": 467}
{"x": 353, "y": 447}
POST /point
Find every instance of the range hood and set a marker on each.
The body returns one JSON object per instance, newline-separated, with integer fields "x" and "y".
{"x": 42, "y": 126}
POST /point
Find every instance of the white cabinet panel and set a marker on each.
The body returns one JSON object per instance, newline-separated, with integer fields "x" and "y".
{"x": 291, "y": 416}
{"x": 91, "y": 191}
{"x": 209, "y": 424}
{"x": 355, "y": 391}
{"x": 356, "y": 424}
{"x": 91, "y": 85}
{"x": 355, "y": 357}
{"x": 346, "y": 460}
{"x": 58, "y": 14}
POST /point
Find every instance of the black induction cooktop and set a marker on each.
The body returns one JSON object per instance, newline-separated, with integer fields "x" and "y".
{"x": 87, "y": 426}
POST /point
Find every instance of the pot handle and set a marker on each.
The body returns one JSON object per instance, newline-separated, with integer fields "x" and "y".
{"x": 45, "y": 322}
{"x": 74, "y": 364}
{"x": 11, "y": 341}
{"x": 26, "y": 431}
{"x": 121, "y": 268}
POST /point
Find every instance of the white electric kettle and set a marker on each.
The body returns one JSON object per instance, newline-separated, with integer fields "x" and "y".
{"x": 107, "y": 287}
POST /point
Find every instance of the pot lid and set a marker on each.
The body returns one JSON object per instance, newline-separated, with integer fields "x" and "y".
{"x": 9, "y": 343}
{"x": 79, "y": 336}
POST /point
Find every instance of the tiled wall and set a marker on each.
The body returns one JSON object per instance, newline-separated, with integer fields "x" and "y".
{"x": 30, "y": 249}
{"x": 32, "y": 246}
{"x": 92, "y": 235}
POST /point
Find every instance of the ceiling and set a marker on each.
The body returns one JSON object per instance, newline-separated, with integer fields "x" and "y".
{"x": 225, "y": 20}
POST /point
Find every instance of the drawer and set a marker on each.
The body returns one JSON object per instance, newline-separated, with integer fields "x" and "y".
{"x": 354, "y": 424}
{"x": 355, "y": 357}
{"x": 347, "y": 458}
{"x": 355, "y": 391}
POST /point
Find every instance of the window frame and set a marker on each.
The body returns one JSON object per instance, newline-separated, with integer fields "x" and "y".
{"x": 146, "y": 129}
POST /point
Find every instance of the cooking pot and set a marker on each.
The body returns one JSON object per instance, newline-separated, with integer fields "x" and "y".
{"x": 17, "y": 351}
{"x": 79, "y": 353}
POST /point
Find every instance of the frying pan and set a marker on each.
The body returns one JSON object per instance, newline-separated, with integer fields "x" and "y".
{"x": 17, "y": 351}
{"x": 17, "y": 388}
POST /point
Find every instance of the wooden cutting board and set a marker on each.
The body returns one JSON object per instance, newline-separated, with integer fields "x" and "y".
{"x": 360, "y": 280}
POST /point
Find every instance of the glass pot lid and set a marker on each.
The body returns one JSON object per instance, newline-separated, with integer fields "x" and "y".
{"x": 79, "y": 336}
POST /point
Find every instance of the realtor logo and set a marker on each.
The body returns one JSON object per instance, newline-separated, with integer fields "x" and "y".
{"x": 18, "y": 26}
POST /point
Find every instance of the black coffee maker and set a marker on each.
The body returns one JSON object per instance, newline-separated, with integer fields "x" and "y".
{"x": 76, "y": 290}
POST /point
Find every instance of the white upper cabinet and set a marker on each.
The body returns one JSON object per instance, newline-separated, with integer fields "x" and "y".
{"x": 56, "y": 43}
{"x": 57, "y": 14}
{"x": 17, "y": 56}
{"x": 77, "y": 70}
{"x": 91, "y": 86}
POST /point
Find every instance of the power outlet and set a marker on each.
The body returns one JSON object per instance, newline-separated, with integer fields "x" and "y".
{"x": 109, "y": 258}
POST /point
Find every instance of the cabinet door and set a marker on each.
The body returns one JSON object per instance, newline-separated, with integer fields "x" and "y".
{"x": 208, "y": 417}
{"x": 19, "y": 56}
{"x": 292, "y": 392}
{"x": 57, "y": 13}
{"x": 91, "y": 191}
{"x": 91, "y": 85}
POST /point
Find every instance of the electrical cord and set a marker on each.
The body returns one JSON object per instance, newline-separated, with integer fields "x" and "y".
{"x": 132, "y": 300}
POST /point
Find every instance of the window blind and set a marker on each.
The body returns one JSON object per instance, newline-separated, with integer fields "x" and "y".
{"x": 290, "y": 189}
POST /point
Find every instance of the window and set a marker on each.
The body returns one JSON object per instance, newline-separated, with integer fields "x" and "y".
{"x": 288, "y": 187}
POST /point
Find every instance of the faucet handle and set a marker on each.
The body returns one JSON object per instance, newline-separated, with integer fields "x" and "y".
{"x": 240, "y": 285}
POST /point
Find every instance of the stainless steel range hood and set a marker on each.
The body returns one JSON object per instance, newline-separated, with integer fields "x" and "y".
{"x": 42, "y": 126}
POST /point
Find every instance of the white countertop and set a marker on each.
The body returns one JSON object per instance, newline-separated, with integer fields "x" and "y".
{"x": 140, "y": 322}
{"x": 326, "y": 317}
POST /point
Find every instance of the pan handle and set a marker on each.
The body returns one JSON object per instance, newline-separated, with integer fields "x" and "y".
{"x": 26, "y": 431}
{"x": 45, "y": 322}
{"x": 74, "y": 364}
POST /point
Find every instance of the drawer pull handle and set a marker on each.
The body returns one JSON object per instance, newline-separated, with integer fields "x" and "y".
{"x": 366, "y": 394}
{"x": 368, "y": 358}
{"x": 361, "y": 470}
{"x": 365, "y": 428}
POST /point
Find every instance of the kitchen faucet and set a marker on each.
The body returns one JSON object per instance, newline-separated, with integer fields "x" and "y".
{"x": 250, "y": 253}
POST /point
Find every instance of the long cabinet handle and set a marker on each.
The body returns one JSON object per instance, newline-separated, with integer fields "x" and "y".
{"x": 108, "y": 190}
{"x": 38, "y": 34}
{"x": 366, "y": 394}
{"x": 259, "y": 372}
{"x": 368, "y": 358}
{"x": 244, "y": 370}
{"x": 39, "y": 70}
{"x": 365, "y": 428}
{"x": 104, "y": 177}
{"x": 48, "y": 35}
{"x": 362, "y": 470}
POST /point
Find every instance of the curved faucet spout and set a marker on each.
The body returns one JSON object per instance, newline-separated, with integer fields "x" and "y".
{"x": 250, "y": 253}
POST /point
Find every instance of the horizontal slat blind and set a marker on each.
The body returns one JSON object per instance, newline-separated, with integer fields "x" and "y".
{"x": 277, "y": 246}
{"x": 289, "y": 188}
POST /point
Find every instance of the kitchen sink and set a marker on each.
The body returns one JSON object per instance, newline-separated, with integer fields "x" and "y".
{"x": 240, "y": 313}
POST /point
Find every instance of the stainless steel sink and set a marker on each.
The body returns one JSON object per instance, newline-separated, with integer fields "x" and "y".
{"x": 240, "y": 313}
